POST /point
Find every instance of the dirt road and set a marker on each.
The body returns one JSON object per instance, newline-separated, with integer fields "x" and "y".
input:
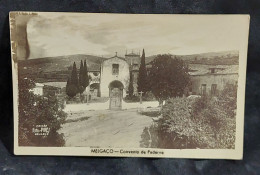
{"x": 105, "y": 128}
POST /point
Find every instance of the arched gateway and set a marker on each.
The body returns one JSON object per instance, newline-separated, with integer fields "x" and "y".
{"x": 115, "y": 94}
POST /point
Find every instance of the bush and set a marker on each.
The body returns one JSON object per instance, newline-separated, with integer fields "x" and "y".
{"x": 38, "y": 110}
{"x": 74, "y": 100}
{"x": 199, "y": 105}
{"x": 175, "y": 130}
{"x": 151, "y": 113}
{"x": 149, "y": 137}
{"x": 149, "y": 96}
{"x": 228, "y": 99}
{"x": 194, "y": 123}
{"x": 132, "y": 99}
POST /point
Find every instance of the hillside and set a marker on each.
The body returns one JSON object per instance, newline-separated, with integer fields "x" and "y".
{"x": 212, "y": 58}
{"x": 60, "y": 63}
{"x": 50, "y": 68}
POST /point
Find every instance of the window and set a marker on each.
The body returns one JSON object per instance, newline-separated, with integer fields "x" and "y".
{"x": 115, "y": 69}
{"x": 214, "y": 89}
{"x": 203, "y": 89}
{"x": 95, "y": 74}
{"x": 135, "y": 67}
{"x": 212, "y": 70}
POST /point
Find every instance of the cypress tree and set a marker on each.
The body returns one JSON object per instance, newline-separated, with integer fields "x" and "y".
{"x": 67, "y": 86}
{"x": 81, "y": 78}
{"x": 130, "y": 86}
{"x": 81, "y": 73}
{"x": 71, "y": 90}
{"x": 142, "y": 76}
{"x": 74, "y": 76}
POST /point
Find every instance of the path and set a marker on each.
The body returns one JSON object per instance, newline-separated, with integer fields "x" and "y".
{"x": 105, "y": 128}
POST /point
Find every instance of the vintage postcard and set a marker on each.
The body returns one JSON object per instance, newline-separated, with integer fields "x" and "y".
{"x": 129, "y": 85}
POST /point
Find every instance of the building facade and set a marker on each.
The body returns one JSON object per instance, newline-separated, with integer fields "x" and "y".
{"x": 114, "y": 73}
{"x": 114, "y": 80}
{"x": 211, "y": 79}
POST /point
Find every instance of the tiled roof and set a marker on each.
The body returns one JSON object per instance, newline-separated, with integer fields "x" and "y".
{"x": 200, "y": 69}
{"x": 116, "y": 57}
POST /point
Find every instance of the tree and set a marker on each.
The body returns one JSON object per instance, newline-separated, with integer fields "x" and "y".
{"x": 81, "y": 78}
{"x": 142, "y": 76}
{"x": 130, "y": 86}
{"x": 85, "y": 76}
{"x": 71, "y": 89}
{"x": 168, "y": 77}
{"x": 72, "y": 86}
{"x": 74, "y": 76}
{"x": 35, "y": 110}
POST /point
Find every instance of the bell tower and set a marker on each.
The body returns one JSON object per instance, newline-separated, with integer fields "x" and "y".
{"x": 134, "y": 61}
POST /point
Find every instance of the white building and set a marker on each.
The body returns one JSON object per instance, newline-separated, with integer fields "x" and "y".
{"x": 212, "y": 79}
{"x": 114, "y": 80}
{"x": 38, "y": 89}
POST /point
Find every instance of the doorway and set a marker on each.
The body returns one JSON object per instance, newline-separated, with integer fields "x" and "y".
{"x": 115, "y": 95}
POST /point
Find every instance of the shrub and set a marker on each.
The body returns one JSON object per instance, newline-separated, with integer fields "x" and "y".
{"x": 217, "y": 124}
{"x": 194, "y": 123}
{"x": 38, "y": 110}
{"x": 149, "y": 96}
{"x": 150, "y": 113}
{"x": 132, "y": 98}
{"x": 228, "y": 99}
{"x": 175, "y": 129}
{"x": 149, "y": 137}
{"x": 199, "y": 105}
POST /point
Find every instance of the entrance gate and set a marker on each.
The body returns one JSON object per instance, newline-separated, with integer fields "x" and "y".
{"x": 116, "y": 95}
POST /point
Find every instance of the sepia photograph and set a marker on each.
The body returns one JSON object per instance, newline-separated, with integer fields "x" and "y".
{"x": 128, "y": 84}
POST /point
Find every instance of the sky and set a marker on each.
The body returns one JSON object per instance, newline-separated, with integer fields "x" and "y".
{"x": 57, "y": 34}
